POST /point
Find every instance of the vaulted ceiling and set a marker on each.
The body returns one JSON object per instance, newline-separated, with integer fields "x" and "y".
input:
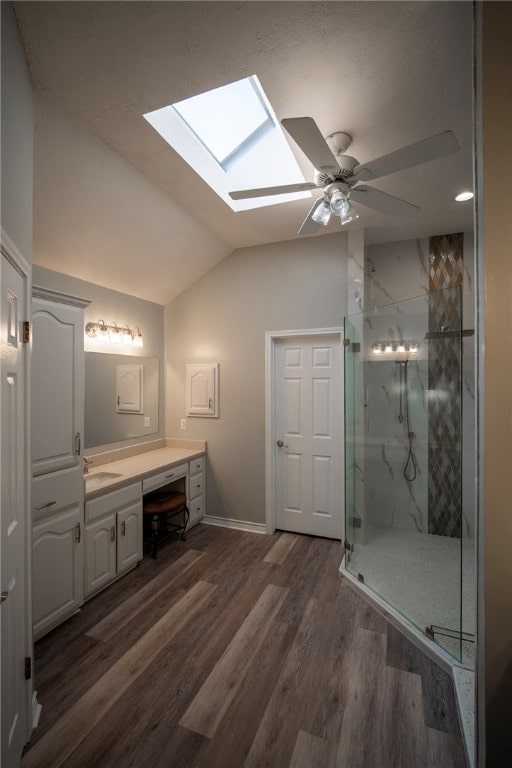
{"x": 115, "y": 205}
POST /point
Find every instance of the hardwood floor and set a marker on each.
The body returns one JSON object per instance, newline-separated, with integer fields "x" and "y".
{"x": 237, "y": 650}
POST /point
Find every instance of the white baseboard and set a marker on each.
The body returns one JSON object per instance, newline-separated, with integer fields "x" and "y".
{"x": 240, "y": 525}
{"x": 36, "y": 710}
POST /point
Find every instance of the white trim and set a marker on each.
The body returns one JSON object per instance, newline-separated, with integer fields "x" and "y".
{"x": 38, "y": 292}
{"x": 239, "y": 525}
{"x": 36, "y": 710}
{"x": 270, "y": 340}
{"x": 12, "y": 253}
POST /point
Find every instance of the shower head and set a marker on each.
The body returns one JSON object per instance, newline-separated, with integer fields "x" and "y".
{"x": 447, "y": 333}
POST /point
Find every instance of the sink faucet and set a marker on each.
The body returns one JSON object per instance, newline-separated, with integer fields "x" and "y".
{"x": 86, "y": 465}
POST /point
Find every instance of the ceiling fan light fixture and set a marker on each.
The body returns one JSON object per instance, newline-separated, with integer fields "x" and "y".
{"x": 349, "y": 215}
{"x": 339, "y": 203}
{"x": 322, "y": 214}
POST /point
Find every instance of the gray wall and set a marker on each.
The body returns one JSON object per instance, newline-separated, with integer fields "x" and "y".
{"x": 223, "y": 318}
{"x": 112, "y": 306}
{"x": 17, "y": 137}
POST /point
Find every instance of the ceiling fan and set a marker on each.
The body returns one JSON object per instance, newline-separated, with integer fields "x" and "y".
{"x": 339, "y": 175}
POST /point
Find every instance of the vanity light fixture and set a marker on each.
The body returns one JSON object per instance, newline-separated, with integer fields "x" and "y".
{"x": 114, "y": 334}
{"x": 395, "y": 348}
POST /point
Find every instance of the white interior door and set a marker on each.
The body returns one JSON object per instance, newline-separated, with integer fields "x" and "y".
{"x": 308, "y": 435}
{"x": 13, "y": 525}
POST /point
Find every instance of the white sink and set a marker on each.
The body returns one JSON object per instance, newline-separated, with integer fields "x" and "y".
{"x": 98, "y": 479}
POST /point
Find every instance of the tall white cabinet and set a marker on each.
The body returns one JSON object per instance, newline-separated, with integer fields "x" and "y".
{"x": 57, "y": 459}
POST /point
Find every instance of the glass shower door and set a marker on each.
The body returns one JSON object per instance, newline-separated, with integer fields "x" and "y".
{"x": 403, "y": 458}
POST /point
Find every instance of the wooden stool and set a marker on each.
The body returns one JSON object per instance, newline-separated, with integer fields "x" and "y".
{"x": 160, "y": 506}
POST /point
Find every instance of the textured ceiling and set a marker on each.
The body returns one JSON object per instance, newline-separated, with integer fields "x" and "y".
{"x": 115, "y": 205}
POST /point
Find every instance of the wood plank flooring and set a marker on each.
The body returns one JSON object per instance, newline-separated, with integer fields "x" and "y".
{"x": 237, "y": 650}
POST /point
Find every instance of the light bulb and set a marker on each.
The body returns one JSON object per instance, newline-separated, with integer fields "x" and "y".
{"x": 339, "y": 203}
{"x": 322, "y": 214}
{"x": 350, "y": 214}
{"x": 137, "y": 338}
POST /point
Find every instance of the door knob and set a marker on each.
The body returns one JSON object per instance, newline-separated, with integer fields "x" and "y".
{"x": 280, "y": 444}
{"x": 4, "y": 596}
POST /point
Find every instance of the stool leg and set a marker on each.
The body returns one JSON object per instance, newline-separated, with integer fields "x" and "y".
{"x": 187, "y": 518}
{"x": 155, "y": 530}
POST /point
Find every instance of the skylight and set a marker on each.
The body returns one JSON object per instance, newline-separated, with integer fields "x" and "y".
{"x": 231, "y": 137}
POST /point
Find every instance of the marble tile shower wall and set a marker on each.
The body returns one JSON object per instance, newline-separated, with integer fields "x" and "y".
{"x": 395, "y": 272}
{"x": 396, "y": 405}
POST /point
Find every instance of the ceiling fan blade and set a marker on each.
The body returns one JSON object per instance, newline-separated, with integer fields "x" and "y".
{"x": 437, "y": 146}
{"x": 242, "y": 194}
{"x": 309, "y": 225}
{"x": 306, "y": 133}
{"x": 381, "y": 201}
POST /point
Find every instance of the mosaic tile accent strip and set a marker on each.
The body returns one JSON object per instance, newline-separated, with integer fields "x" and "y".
{"x": 444, "y": 384}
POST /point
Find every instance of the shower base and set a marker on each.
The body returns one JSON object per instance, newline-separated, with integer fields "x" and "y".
{"x": 420, "y": 576}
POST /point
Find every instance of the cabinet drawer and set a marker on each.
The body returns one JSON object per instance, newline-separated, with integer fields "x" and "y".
{"x": 56, "y": 491}
{"x": 196, "y": 486}
{"x": 164, "y": 478}
{"x": 110, "y": 502}
{"x": 196, "y": 509}
{"x": 196, "y": 465}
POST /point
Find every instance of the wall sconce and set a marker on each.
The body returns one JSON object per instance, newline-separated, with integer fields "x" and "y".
{"x": 395, "y": 347}
{"x": 114, "y": 334}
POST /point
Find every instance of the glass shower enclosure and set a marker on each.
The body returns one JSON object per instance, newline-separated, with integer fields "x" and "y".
{"x": 403, "y": 462}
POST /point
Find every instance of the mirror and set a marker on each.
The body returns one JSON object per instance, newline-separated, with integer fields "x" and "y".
{"x": 104, "y": 421}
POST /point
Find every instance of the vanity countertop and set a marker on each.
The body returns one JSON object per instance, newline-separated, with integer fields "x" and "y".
{"x": 138, "y": 467}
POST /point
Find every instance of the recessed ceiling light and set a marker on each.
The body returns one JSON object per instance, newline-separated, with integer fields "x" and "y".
{"x": 463, "y": 196}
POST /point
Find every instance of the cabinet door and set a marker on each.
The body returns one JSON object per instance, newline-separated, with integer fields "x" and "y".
{"x": 100, "y": 554}
{"x": 57, "y": 385}
{"x": 129, "y": 537}
{"x": 57, "y": 569}
{"x": 202, "y": 389}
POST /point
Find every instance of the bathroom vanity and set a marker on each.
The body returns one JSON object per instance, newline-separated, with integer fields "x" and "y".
{"x": 87, "y": 529}
{"x": 76, "y": 557}
{"x": 113, "y": 507}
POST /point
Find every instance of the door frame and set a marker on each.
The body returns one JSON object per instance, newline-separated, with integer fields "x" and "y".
{"x": 10, "y": 251}
{"x": 271, "y": 337}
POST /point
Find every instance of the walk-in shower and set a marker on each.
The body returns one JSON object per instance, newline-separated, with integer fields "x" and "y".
{"x": 405, "y": 534}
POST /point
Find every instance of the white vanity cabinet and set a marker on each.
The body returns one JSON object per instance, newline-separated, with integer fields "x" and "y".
{"x": 57, "y": 381}
{"x": 112, "y": 536}
{"x": 57, "y": 566}
{"x": 196, "y": 489}
{"x": 57, "y": 415}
